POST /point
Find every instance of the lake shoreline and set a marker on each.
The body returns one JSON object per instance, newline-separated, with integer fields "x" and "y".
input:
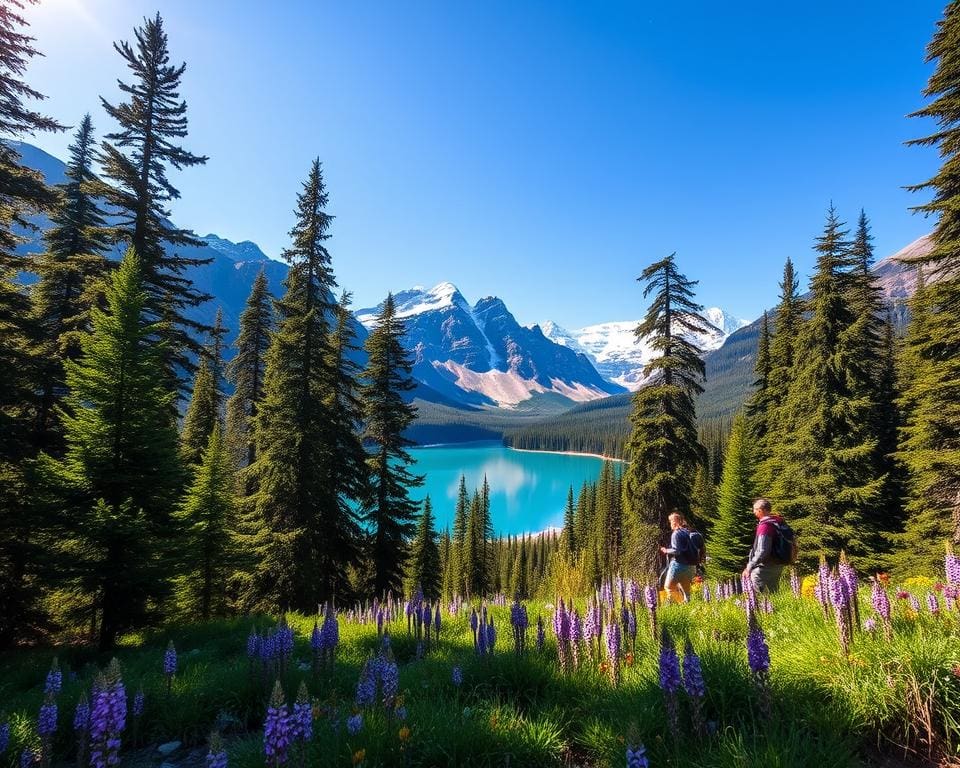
{"x": 476, "y": 443}
{"x": 565, "y": 453}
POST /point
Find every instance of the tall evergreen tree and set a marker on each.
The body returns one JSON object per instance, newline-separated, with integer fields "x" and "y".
{"x": 305, "y": 543}
{"x": 201, "y": 416}
{"x": 732, "y": 532}
{"x": 459, "y": 541}
{"x": 704, "y": 499}
{"x": 930, "y": 438}
{"x": 119, "y": 477}
{"x": 423, "y": 569}
{"x": 68, "y": 271}
{"x": 136, "y": 159}
{"x": 663, "y": 447}
{"x": 389, "y": 511}
{"x": 208, "y": 514}
{"x": 760, "y": 406}
{"x": 568, "y": 540}
{"x": 245, "y": 371}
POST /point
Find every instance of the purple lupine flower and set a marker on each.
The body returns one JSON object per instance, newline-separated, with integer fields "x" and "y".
{"x": 277, "y": 729}
{"x": 138, "y": 703}
{"x": 389, "y": 681}
{"x": 541, "y": 633}
{"x": 849, "y": 577}
{"x": 81, "y": 716}
{"x": 330, "y": 631}
{"x": 632, "y": 625}
{"x": 933, "y": 605}
{"x": 613, "y": 650}
{"x": 170, "y": 660}
{"x": 316, "y": 639}
{"x": 491, "y": 636}
{"x": 217, "y": 755}
{"x": 692, "y": 673}
{"x": 473, "y": 619}
{"x": 637, "y": 757}
{"x": 354, "y": 724}
{"x": 952, "y": 567}
{"x": 650, "y": 597}
{"x": 914, "y": 603}
{"x": 457, "y": 676}
{"x": 54, "y": 681}
{"x": 253, "y": 644}
{"x": 515, "y": 613}
{"x": 285, "y": 638}
{"x": 880, "y": 600}
{"x": 591, "y": 622}
{"x": 606, "y": 594}
{"x": 576, "y": 627}
{"x": 758, "y": 654}
{"x": 870, "y": 625}
{"x": 838, "y": 595}
{"x": 47, "y": 720}
{"x": 27, "y": 758}
{"x": 633, "y": 591}
{"x": 367, "y": 685}
{"x": 823, "y": 582}
{"x": 669, "y": 665}
{"x": 795, "y": 582}
{"x": 301, "y": 721}
{"x": 705, "y": 592}
{"x": 4, "y": 737}
{"x": 108, "y": 717}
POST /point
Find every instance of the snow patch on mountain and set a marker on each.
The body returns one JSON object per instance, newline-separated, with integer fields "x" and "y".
{"x": 508, "y": 388}
{"x": 620, "y": 357}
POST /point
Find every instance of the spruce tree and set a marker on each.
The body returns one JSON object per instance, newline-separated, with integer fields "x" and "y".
{"x": 22, "y": 193}
{"x": 760, "y": 404}
{"x": 245, "y": 371}
{"x": 930, "y": 438}
{"x": 459, "y": 541}
{"x": 732, "y": 531}
{"x": 208, "y": 517}
{"x": 136, "y": 159}
{"x": 423, "y": 569}
{"x": 120, "y": 475}
{"x": 568, "y": 540}
{"x": 389, "y": 511}
{"x": 69, "y": 272}
{"x": 703, "y": 500}
{"x": 663, "y": 447}
{"x": 304, "y": 541}
{"x": 201, "y": 417}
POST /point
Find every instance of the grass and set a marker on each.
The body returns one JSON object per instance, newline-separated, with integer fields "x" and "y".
{"x": 899, "y": 698}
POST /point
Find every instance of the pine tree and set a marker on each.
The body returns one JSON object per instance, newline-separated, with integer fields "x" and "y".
{"x": 459, "y": 542}
{"x": 826, "y": 480}
{"x": 732, "y": 532}
{"x": 207, "y": 514}
{"x": 69, "y": 272}
{"x": 201, "y": 416}
{"x": 663, "y": 447}
{"x": 471, "y": 554}
{"x": 423, "y": 569}
{"x": 519, "y": 576}
{"x": 22, "y": 193}
{"x": 120, "y": 475}
{"x": 703, "y": 500}
{"x": 760, "y": 404}
{"x": 304, "y": 541}
{"x": 568, "y": 539}
{"x": 136, "y": 159}
{"x": 389, "y": 512}
{"x": 446, "y": 565}
{"x": 245, "y": 371}
{"x": 930, "y": 438}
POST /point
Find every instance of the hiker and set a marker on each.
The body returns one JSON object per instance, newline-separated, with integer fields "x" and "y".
{"x": 774, "y": 546}
{"x": 683, "y": 559}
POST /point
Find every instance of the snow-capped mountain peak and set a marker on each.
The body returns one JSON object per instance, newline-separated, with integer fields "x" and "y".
{"x": 616, "y": 353}
{"x": 417, "y": 301}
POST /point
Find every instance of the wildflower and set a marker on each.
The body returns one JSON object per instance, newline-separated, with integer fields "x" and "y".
{"x": 670, "y": 681}
{"x": 217, "y": 755}
{"x": 613, "y": 650}
{"x": 694, "y": 686}
{"x": 138, "y": 703}
{"x": 277, "y": 729}
{"x": 4, "y": 737}
{"x": 301, "y": 723}
{"x": 359, "y": 756}
{"x": 253, "y": 644}
{"x": 933, "y": 605}
{"x": 170, "y": 660}
{"x": 902, "y": 594}
{"x": 870, "y": 625}
{"x": 316, "y": 640}
{"x": 457, "y": 676}
{"x": 758, "y": 653}
{"x": 541, "y": 633}
{"x": 47, "y": 720}
{"x": 389, "y": 681}
{"x": 650, "y": 597}
{"x": 54, "y": 681}
{"x": 491, "y": 636}
{"x": 108, "y": 717}
{"x": 881, "y": 604}
{"x": 27, "y": 758}
{"x": 637, "y": 757}
{"x": 367, "y": 685}
{"x": 795, "y": 582}
{"x": 952, "y": 567}
{"x": 404, "y": 733}
{"x": 354, "y": 724}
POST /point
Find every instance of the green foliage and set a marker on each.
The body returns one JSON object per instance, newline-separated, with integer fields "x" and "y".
{"x": 207, "y": 516}
{"x": 389, "y": 511}
{"x": 663, "y": 447}
{"x": 732, "y": 532}
{"x": 202, "y": 416}
{"x": 136, "y": 158}
{"x": 119, "y": 477}
{"x": 423, "y": 569}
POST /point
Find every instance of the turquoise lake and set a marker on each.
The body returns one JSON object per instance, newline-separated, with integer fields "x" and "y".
{"x": 528, "y": 490}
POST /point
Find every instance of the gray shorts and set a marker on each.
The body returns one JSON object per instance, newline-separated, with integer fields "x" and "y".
{"x": 766, "y": 578}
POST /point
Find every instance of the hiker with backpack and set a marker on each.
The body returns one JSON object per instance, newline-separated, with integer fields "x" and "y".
{"x": 685, "y": 553}
{"x": 774, "y": 546}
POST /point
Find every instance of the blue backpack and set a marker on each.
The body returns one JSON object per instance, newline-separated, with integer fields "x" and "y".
{"x": 695, "y": 551}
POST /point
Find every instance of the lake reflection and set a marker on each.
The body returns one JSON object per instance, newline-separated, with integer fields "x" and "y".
{"x": 528, "y": 490}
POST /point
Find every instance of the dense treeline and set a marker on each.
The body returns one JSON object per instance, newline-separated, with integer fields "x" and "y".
{"x": 116, "y": 512}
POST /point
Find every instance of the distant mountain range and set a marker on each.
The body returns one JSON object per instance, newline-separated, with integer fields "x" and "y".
{"x": 475, "y": 365}
{"x": 618, "y": 356}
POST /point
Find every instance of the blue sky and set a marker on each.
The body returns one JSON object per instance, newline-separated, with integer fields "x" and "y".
{"x": 545, "y": 151}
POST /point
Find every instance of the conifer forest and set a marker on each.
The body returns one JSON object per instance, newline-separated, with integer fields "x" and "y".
{"x": 217, "y": 548}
